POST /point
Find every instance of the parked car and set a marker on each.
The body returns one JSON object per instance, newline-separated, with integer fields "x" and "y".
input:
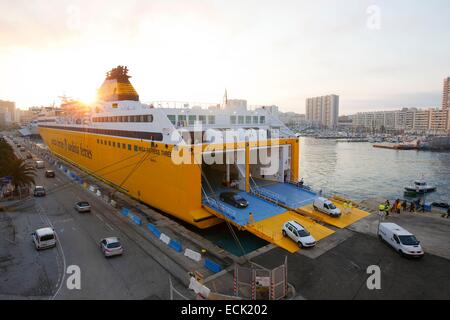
{"x": 111, "y": 246}
{"x": 22, "y": 149}
{"x": 326, "y": 206}
{"x": 83, "y": 206}
{"x": 234, "y": 199}
{"x": 299, "y": 234}
{"x": 44, "y": 238}
{"x": 40, "y": 164}
{"x": 400, "y": 239}
{"x": 39, "y": 191}
{"x": 49, "y": 173}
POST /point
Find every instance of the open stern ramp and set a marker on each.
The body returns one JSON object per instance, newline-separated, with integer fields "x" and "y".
{"x": 267, "y": 220}
{"x": 285, "y": 194}
{"x": 343, "y": 221}
{"x": 300, "y": 200}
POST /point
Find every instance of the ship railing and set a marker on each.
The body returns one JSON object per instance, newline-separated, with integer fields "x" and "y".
{"x": 196, "y": 104}
{"x": 273, "y": 196}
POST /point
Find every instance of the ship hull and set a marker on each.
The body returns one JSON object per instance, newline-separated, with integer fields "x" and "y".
{"x": 141, "y": 169}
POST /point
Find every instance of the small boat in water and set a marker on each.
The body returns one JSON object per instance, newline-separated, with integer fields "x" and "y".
{"x": 420, "y": 186}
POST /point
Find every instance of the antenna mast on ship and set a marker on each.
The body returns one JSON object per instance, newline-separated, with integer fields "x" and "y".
{"x": 225, "y": 99}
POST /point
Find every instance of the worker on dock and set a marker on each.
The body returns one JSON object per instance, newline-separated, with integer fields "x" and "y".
{"x": 250, "y": 219}
{"x": 404, "y": 205}
{"x": 399, "y": 206}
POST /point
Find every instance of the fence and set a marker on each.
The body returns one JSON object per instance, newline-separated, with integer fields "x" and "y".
{"x": 259, "y": 283}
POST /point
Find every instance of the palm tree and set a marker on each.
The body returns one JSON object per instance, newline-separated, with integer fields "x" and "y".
{"x": 6, "y": 156}
{"x": 21, "y": 173}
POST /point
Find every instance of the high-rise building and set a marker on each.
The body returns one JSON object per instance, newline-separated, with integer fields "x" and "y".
{"x": 7, "y": 112}
{"x": 446, "y": 94}
{"x": 323, "y": 111}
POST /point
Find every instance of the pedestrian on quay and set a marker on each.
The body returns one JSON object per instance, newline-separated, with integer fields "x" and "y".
{"x": 387, "y": 207}
{"x": 404, "y": 205}
{"x": 399, "y": 206}
{"x": 394, "y": 206}
{"x": 446, "y": 214}
{"x": 422, "y": 205}
{"x": 412, "y": 207}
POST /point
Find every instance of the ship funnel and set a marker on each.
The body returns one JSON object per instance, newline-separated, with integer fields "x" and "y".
{"x": 117, "y": 86}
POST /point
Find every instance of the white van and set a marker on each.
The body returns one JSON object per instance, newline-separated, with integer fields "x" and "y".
{"x": 400, "y": 239}
{"x": 40, "y": 164}
{"x": 44, "y": 238}
{"x": 326, "y": 206}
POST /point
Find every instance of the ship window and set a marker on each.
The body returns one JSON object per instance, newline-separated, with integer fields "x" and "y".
{"x": 97, "y": 141}
{"x": 109, "y": 143}
{"x": 255, "y": 119}
{"x": 129, "y": 147}
{"x": 248, "y": 119}
{"x": 124, "y": 146}
{"x": 125, "y": 119}
{"x": 114, "y": 143}
{"x": 262, "y": 119}
{"x": 202, "y": 119}
{"x": 104, "y": 142}
{"x": 240, "y": 119}
{"x": 135, "y": 148}
{"x": 192, "y": 119}
{"x": 233, "y": 119}
{"x": 212, "y": 119}
{"x": 118, "y": 145}
{"x": 144, "y": 118}
{"x": 172, "y": 118}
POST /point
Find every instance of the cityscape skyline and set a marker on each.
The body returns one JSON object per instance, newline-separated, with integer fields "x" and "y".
{"x": 375, "y": 58}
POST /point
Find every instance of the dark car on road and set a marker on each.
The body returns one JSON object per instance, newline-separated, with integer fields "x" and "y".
{"x": 39, "y": 191}
{"x": 49, "y": 173}
{"x": 234, "y": 199}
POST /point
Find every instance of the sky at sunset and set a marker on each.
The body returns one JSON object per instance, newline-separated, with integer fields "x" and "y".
{"x": 373, "y": 54}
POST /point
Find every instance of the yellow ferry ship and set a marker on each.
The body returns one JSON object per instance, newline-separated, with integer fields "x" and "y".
{"x": 137, "y": 147}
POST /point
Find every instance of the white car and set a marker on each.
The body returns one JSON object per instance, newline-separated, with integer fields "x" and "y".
{"x": 326, "y": 206}
{"x": 111, "y": 246}
{"x": 83, "y": 206}
{"x": 400, "y": 239}
{"x": 44, "y": 238}
{"x": 299, "y": 234}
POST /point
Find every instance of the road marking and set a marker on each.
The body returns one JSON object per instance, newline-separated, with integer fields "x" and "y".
{"x": 107, "y": 224}
{"x": 63, "y": 220}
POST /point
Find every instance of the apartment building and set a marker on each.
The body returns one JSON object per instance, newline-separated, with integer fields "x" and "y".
{"x": 432, "y": 120}
{"x": 323, "y": 111}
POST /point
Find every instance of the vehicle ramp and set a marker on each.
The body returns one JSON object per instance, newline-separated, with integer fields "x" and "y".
{"x": 344, "y": 220}
{"x": 300, "y": 200}
{"x": 265, "y": 221}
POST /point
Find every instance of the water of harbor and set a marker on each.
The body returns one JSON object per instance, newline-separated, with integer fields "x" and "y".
{"x": 359, "y": 170}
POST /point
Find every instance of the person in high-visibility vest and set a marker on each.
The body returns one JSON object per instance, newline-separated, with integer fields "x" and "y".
{"x": 350, "y": 206}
